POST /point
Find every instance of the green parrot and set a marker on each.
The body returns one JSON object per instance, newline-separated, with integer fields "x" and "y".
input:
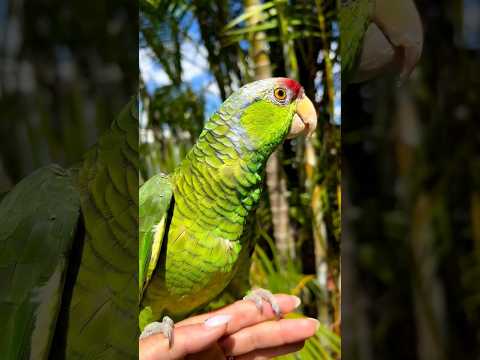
{"x": 377, "y": 36}
{"x": 68, "y": 238}
{"x": 194, "y": 224}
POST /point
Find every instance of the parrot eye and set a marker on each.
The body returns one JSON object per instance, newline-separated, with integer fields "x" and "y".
{"x": 280, "y": 93}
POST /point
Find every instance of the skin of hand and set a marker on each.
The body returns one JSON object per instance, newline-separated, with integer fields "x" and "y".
{"x": 238, "y": 331}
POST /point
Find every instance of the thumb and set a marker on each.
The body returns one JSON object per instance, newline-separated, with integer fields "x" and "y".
{"x": 188, "y": 339}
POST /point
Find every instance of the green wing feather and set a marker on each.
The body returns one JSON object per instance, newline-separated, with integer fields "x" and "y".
{"x": 155, "y": 198}
{"x": 38, "y": 219}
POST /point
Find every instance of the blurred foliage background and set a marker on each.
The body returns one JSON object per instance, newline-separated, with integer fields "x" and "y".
{"x": 193, "y": 55}
{"x": 62, "y": 79}
{"x": 411, "y": 220}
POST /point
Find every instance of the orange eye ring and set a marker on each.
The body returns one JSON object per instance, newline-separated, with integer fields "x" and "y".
{"x": 280, "y": 93}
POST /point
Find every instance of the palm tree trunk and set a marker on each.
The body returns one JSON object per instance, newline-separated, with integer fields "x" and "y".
{"x": 475, "y": 215}
{"x": 428, "y": 290}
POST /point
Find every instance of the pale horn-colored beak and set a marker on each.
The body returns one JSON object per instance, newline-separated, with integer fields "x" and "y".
{"x": 304, "y": 119}
{"x": 393, "y": 40}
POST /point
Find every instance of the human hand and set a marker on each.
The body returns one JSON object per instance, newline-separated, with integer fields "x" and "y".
{"x": 238, "y": 331}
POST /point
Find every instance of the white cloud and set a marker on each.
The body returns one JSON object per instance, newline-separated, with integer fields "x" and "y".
{"x": 194, "y": 60}
{"x": 213, "y": 88}
{"x": 151, "y": 72}
{"x": 194, "y": 63}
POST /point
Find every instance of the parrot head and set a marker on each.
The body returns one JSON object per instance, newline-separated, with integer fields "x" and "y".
{"x": 269, "y": 111}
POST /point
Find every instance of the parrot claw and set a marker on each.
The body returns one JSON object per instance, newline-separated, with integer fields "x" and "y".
{"x": 165, "y": 327}
{"x": 258, "y": 295}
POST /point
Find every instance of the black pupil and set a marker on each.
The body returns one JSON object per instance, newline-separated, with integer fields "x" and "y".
{"x": 281, "y": 93}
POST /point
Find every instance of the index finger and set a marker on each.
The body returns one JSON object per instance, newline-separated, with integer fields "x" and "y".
{"x": 244, "y": 313}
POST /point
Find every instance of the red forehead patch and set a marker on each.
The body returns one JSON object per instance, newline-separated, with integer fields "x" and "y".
{"x": 293, "y": 85}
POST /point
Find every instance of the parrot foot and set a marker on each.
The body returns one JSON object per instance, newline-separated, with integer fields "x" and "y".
{"x": 165, "y": 327}
{"x": 258, "y": 295}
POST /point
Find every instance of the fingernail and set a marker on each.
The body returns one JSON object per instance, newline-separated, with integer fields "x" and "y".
{"x": 317, "y": 323}
{"x": 217, "y": 321}
{"x": 297, "y": 301}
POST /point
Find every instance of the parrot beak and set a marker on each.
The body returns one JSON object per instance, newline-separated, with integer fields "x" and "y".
{"x": 304, "y": 119}
{"x": 393, "y": 41}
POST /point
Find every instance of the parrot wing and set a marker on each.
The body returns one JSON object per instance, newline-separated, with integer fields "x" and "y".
{"x": 98, "y": 317}
{"x": 38, "y": 221}
{"x": 154, "y": 201}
